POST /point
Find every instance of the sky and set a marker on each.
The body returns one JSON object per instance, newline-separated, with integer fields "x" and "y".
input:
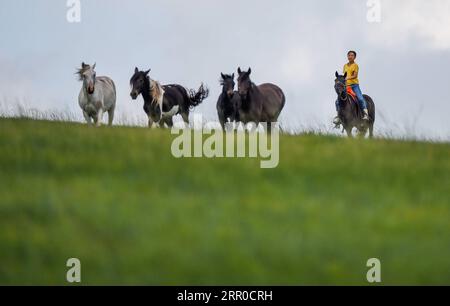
{"x": 296, "y": 44}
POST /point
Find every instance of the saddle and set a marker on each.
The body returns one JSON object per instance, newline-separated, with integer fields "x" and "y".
{"x": 354, "y": 99}
{"x": 352, "y": 94}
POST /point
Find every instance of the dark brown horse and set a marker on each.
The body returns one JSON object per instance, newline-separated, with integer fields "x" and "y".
{"x": 350, "y": 113}
{"x": 162, "y": 103}
{"x": 259, "y": 104}
{"x": 229, "y": 101}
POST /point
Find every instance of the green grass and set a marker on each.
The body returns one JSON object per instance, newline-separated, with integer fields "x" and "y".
{"x": 116, "y": 199}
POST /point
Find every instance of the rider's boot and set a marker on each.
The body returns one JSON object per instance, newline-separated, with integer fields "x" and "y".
{"x": 337, "y": 121}
{"x": 366, "y": 115}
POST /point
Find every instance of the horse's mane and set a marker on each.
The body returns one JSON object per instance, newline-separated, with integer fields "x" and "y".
{"x": 222, "y": 80}
{"x": 156, "y": 92}
{"x": 81, "y": 71}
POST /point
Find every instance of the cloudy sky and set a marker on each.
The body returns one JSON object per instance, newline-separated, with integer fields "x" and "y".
{"x": 404, "y": 59}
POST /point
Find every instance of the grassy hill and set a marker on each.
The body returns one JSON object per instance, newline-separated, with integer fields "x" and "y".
{"x": 116, "y": 199}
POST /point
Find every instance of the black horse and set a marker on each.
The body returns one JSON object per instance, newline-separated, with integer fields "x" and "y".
{"x": 162, "y": 103}
{"x": 229, "y": 101}
{"x": 350, "y": 112}
{"x": 259, "y": 104}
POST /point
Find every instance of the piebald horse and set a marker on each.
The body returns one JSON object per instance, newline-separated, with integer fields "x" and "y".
{"x": 163, "y": 102}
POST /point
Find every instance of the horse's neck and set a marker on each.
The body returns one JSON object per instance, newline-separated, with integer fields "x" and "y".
{"x": 85, "y": 91}
{"x": 254, "y": 91}
{"x": 344, "y": 103}
{"x": 91, "y": 97}
{"x": 347, "y": 110}
{"x": 156, "y": 90}
{"x": 147, "y": 93}
{"x": 157, "y": 93}
{"x": 225, "y": 98}
{"x": 149, "y": 99}
{"x": 227, "y": 103}
{"x": 252, "y": 96}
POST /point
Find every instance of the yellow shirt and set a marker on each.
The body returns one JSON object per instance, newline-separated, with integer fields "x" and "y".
{"x": 351, "y": 69}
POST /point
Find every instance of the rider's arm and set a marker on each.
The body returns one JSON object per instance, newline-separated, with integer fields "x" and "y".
{"x": 354, "y": 76}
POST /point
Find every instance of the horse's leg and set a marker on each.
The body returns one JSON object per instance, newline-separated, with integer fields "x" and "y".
{"x": 156, "y": 124}
{"x": 169, "y": 121}
{"x": 349, "y": 131}
{"x": 111, "y": 116}
{"x": 269, "y": 127}
{"x": 371, "y": 130}
{"x": 362, "y": 133}
{"x": 99, "y": 117}
{"x": 150, "y": 122}
{"x": 185, "y": 117}
{"x": 87, "y": 117}
{"x": 222, "y": 120}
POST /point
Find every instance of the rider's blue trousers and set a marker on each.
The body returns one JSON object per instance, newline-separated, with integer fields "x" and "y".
{"x": 361, "y": 100}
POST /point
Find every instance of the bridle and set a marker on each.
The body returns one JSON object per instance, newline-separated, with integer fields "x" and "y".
{"x": 343, "y": 95}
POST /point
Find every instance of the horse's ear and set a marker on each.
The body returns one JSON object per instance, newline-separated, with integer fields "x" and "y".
{"x": 93, "y": 67}
{"x": 249, "y": 71}
{"x": 345, "y": 75}
{"x": 232, "y": 76}
{"x": 136, "y": 70}
{"x": 222, "y": 75}
{"x": 337, "y": 74}
{"x": 147, "y": 72}
{"x": 239, "y": 70}
{"x": 83, "y": 65}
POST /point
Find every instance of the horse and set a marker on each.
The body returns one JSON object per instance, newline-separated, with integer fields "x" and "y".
{"x": 262, "y": 103}
{"x": 97, "y": 96}
{"x": 163, "y": 102}
{"x": 350, "y": 112}
{"x": 229, "y": 101}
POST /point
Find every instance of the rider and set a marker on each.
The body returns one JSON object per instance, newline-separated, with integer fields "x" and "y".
{"x": 352, "y": 69}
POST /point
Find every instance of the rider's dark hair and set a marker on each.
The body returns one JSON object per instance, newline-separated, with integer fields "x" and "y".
{"x": 354, "y": 53}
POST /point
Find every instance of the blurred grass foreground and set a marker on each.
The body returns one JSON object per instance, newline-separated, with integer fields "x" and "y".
{"x": 116, "y": 199}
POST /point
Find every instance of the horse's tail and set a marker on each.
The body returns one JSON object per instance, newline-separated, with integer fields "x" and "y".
{"x": 371, "y": 107}
{"x": 197, "y": 97}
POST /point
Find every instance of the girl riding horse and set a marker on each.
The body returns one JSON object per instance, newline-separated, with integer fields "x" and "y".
{"x": 351, "y": 70}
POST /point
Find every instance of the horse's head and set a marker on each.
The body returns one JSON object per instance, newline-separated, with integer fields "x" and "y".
{"x": 244, "y": 82}
{"x": 87, "y": 75}
{"x": 340, "y": 85}
{"x": 138, "y": 82}
{"x": 227, "y": 82}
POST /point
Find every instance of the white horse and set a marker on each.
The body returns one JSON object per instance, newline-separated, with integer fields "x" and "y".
{"x": 97, "y": 96}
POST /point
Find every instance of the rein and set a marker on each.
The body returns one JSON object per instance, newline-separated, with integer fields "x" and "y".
{"x": 345, "y": 99}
